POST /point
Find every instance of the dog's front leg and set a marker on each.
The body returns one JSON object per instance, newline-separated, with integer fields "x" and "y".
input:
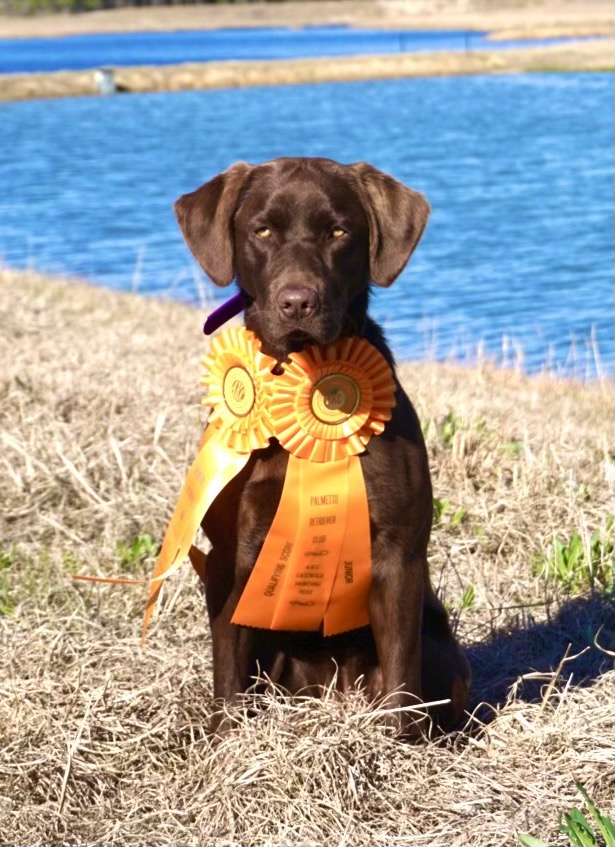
{"x": 232, "y": 645}
{"x": 395, "y": 609}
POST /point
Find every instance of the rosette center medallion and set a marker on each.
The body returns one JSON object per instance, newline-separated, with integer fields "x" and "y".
{"x": 335, "y": 399}
{"x": 239, "y": 391}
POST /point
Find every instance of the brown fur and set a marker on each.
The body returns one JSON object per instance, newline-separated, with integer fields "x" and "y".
{"x": 303, "y": 286}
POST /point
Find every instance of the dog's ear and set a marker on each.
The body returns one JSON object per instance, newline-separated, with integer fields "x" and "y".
{"x": 205, "y": 218}
{"x": 397, "y": 217}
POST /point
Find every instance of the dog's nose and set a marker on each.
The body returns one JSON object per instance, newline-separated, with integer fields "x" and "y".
{"x": 297, "y": 303}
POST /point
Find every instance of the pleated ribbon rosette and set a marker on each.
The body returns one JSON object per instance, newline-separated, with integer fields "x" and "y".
{"x": 314, "y": 566}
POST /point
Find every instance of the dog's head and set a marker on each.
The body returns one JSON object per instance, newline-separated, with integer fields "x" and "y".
{"x": 303, "y": 238}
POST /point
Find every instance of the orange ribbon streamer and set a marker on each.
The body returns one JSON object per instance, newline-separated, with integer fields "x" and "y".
{"x": 312, "y": 570}
{"x": 347, "y": 608}
{"x": 214, "y": 467}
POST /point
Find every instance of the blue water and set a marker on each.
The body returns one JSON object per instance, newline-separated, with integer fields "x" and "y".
{"x": 78, "y": 52}
{"x": 518, "y": 170}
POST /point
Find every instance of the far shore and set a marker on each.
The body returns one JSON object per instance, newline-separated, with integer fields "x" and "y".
{"x": 504, "y": 19}
{"x": 513, "y": 20}
{"x": 575, "y": 56}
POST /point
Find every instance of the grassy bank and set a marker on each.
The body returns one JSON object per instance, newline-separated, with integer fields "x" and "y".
{"x": 576, "y": 56}
{"x": 104, "y": 744}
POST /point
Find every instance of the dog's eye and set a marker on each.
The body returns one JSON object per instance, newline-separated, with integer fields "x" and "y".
{"x": 337, "y": 232}
{"x": 263, "y": 232}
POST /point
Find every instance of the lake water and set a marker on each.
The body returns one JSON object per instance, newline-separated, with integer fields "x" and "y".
{"x": 518, "y": 170}
{"x": 78, "y": 52}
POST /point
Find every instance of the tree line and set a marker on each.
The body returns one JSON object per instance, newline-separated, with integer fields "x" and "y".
{"x": 31, "y": 7}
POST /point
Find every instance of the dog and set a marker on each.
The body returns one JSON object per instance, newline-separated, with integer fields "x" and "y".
{"x": 305, "y": 238}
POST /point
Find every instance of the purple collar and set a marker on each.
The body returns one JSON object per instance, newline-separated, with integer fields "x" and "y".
{"x": 223, "y": 314}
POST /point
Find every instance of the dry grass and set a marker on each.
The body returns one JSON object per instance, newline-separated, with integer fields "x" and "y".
{"x": 105, "y": 744}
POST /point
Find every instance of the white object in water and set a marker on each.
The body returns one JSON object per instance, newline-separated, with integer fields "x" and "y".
{"x": 105, "y": 80}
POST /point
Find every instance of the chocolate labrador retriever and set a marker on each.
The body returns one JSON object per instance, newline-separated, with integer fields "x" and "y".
{"x": 304, "y": 238}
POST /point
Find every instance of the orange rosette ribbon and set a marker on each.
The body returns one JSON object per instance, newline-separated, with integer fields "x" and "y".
{"x": 331, "y": 400}
{"x": 236, "y": 375}
{"x": 313, "y": 569}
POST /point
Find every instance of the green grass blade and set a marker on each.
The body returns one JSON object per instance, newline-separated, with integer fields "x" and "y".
{"x": 577, "y": 829}
{"x": 529, "y": 841}
{"x": 605, "y": 824}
